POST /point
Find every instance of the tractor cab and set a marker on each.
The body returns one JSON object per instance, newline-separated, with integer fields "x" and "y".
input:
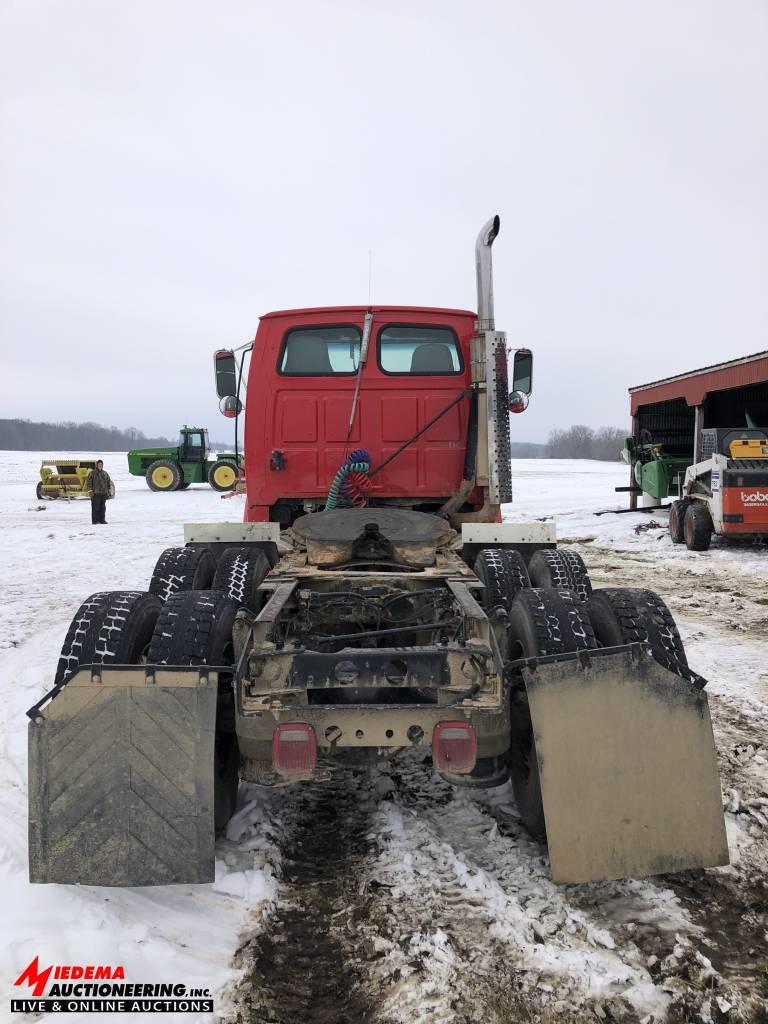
{"x": 193, "y": 444}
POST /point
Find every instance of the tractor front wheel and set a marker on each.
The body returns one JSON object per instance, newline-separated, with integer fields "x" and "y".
{"x": 163, "y": 475}
{"x": 222, "y": 476}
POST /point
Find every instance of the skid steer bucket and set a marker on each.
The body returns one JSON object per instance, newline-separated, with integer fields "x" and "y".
{"x": 121, "y": 788}
{"x": 627, "y": 763}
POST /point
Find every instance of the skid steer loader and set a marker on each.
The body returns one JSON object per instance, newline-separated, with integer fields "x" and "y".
{"x": 372, "y": 603}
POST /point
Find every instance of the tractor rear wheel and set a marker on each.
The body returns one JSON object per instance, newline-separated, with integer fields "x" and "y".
{"x": 553, "y": 567}
{"x": 697, "y": 527}
{"x": 223, "y": 474}
{"x": 177, "y": 569}
{"x": 109, "y": 628}
{"x": 676, "y": 520}
{"x": 195, "y": 628}
{"x": 39, "y": 490}
{"x": 163, "y": 475}
{"x": 239, "y": 573}
{"x": 627, "y": 616}
{"x": 541, "y": 622}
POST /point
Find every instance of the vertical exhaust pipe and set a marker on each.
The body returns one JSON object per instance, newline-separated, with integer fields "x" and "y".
{"x": 484, "y": 268}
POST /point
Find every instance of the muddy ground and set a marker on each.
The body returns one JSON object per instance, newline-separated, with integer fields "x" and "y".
{"x": 404, "y": 900}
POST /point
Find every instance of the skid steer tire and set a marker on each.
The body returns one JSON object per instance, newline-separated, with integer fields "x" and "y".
{"x": 195, "y": 628}
{"x": 182, "y": 569}
{"x": 541, "y": 622}
{"x": 239, "y": 573}
{"x": 627, "y": 616}
{"x": 555, "y": 568}
{"x": 114, "y": 627}
{"x": 697, "y": 527}
{"x": 676, "y": 520}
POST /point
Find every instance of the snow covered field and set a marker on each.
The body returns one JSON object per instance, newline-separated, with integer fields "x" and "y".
{"x": 418, "y": 902}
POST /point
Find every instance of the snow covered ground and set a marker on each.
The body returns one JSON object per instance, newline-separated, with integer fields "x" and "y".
{"x": 433, "y": 904}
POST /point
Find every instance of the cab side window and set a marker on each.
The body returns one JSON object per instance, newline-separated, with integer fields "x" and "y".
{"x": 422, "y": 351}
{"x": 320, "y": 351}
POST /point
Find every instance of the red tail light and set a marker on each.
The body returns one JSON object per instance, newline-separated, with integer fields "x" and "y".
{"x": 294, "y": 749}
{"x": 454, "y": 747}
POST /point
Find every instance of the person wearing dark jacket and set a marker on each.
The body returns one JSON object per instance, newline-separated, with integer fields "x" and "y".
{"x": 100, "y": 485}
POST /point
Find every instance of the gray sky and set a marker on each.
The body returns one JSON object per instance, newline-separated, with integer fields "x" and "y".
{"x": 170, "y": 170}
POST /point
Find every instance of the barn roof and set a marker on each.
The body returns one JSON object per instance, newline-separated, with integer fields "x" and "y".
{"x": 694, "y": 385}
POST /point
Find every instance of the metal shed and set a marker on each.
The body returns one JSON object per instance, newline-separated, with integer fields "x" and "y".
{"x": 673, "y": 411}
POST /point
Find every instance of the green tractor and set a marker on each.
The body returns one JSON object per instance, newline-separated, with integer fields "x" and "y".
{"x": 173, "y": 469}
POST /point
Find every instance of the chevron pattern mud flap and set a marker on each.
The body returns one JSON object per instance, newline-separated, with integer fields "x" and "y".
{"x": 628, "y": 767}
{"x": 121, "y": 784}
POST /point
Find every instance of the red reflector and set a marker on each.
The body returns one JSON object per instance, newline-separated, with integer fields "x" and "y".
{"x": 294, "y": 749}
{"x": 454, "y": 747}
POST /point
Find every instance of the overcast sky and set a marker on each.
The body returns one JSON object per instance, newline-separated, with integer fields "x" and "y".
{"x": 170, "y": 170}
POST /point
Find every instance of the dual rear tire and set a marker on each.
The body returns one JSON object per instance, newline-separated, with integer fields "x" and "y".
{"x": 191, "y": 628}
{"x": 545, "y": 620}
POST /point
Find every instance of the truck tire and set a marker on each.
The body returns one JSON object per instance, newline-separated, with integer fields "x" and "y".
{"x": 629, "y": 615}
{"x": 504, "y": 575}
{"x": 541, "y": 622}
{"x": 223, "y": 475}
{"x": 240, "y": 572}
{"x": 109, "y": 628}
{"x": 697, "y": 527}
{"x": 563, "y": 570}
{"x": 195, "y": 628}
{"x": 676, "y": 519}
{"x": 163, "y": 475}
{"x": 177, "y": 569}
{"x": 39, "y": 490}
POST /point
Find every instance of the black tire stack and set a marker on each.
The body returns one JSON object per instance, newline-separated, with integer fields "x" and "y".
{"x": 552, "y": 609}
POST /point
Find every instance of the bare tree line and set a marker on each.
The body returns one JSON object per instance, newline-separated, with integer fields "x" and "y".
{"x": 580, "y": 442}
{"x": 26, "y": 436}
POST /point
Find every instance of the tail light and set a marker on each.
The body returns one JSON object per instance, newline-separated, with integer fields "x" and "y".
{"x": 294, "y": 749}
{"x": 454, "y": 747}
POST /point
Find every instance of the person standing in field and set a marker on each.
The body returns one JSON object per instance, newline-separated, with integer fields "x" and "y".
{"x": 100, "y": 485}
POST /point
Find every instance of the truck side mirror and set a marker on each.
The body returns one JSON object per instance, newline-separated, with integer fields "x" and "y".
{"x": 522, "y": 371}
{"x": 230, "y": 406}
{"x": 225, "y": 368}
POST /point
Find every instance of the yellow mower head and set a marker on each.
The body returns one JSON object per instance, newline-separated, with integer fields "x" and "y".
{"x": 64, "y": 478}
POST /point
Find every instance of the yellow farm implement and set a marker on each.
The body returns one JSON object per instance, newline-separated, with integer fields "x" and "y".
{"x": 64, "y": 478}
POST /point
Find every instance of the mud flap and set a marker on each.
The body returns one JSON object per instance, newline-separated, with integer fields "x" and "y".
{"x": 121, "y": 787}
{"x": 628, "y": 768}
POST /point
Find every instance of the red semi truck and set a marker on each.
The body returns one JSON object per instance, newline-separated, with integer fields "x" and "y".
{"x": 373, "y": 605}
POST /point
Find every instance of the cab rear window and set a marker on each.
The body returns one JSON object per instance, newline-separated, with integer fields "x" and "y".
{"x": 422, "y": 351}
{"x": 320, "y": 351}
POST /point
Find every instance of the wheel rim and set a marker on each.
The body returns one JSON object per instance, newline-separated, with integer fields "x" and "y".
{"x": 224, "y": 476}
{"x": 162, "y": 476}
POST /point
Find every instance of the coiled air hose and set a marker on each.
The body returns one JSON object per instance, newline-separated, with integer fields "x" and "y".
{"x": 351, "y": 482}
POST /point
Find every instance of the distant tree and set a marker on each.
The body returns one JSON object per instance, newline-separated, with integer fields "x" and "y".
{"x": 24, "y": 435}
{"x": 581, "y": 442}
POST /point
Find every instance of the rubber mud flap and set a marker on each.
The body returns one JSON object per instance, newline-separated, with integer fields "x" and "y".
{"x": 628, "y": 767}
{"x": 121, "y": 779}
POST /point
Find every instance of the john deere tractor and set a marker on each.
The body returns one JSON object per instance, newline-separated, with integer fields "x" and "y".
{"x": 173, "y": 469}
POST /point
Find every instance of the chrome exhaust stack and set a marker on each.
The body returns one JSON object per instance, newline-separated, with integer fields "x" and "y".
{"x": 484, "y": 269}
